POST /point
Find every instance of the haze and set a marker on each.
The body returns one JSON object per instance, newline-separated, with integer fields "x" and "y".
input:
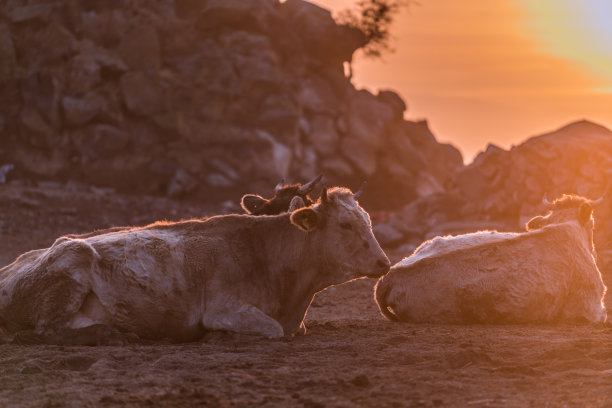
{"x": 496, "y": 72}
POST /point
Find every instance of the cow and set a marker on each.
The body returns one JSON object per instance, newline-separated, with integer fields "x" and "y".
{"x": 251, "y": 203}
{"x": 176, "y": 280}
{"x": 282, "y": 201}
{"x": 546, "y": 274}
{"x": 283, "y": 194}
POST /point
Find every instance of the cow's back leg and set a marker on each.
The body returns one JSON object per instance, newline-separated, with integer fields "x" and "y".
{"x": 242, "y": 318}
{"x": 50, "y": 294}
{"x": 56, "y": 297}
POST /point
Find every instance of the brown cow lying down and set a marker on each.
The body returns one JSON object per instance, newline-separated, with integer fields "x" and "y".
{"x": 283, "y": 194}
{"x": 547, "y": 274}
{"x": 251, "y": 203}
{"x": 241, "y": 273}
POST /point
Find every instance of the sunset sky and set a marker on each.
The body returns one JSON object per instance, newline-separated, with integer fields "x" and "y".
{"x": 496, "y": 71}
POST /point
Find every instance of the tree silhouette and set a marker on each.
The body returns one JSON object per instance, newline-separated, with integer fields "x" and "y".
{"x": 373, "y": 18}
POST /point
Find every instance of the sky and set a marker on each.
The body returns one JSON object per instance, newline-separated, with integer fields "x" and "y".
{"x": 498, "y": 71}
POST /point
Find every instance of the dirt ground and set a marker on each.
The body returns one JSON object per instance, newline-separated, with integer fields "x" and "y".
{"x": 350, "y": 356}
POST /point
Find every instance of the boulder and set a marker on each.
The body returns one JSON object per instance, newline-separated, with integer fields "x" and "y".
{"x": 99, "y": 141}
{"x": 8, "y": 60}
{"x": 253, "y": 15}
{"x": 387, "y": 235}
{"x": 19, "y": 13}
{"x": 322, "y": 135}
{"x": 140, "y": 49}
{"x": 105, "y": 27}
{"x": 181, "y": 184}
{"x": 142, "y": 92}
{"x": 394, "y": 101}
{"x": 320, "y": 36}
{"x": 79, "y": 111}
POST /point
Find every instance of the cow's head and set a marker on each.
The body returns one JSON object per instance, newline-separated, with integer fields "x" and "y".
{"x": 568, "y": 208}
{"x": 564, "y": 209}
{"x": 283, "y": 194}
{"x": 579, "y": 210}
{"x": 342, "y": 233}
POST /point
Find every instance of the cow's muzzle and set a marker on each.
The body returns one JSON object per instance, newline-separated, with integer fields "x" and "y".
{"x": 381, "y": 267}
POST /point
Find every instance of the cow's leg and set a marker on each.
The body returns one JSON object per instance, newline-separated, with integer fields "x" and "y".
{"x": 60, "y": 285}
{"x": 52, "y": 300}
{"x": 243, "y": 318}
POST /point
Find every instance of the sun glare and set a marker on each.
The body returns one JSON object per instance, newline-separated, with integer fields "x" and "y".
{"x": 576, "y": 30}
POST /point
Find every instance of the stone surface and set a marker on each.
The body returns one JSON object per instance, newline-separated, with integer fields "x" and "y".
{"x": 202, "y": 100}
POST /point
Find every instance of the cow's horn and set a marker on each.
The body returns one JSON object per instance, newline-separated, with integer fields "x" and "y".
{"x": 360, "y": 191}
{"x": 597, "y": 202}
{"x": 545, "y": 201}
{"x": 324, "y": 196}
{"x": 306, "y": 188}
{"x": 600, "y": 200}
{"x": 280, "y": 185}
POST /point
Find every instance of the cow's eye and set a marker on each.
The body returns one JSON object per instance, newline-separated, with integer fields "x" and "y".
{"x": 346, "y": 226}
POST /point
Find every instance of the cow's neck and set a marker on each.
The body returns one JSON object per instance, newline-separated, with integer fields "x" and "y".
{"x": 295, "y": 265}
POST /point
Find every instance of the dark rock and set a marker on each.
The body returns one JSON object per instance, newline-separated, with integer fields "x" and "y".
{"x": 32, "y": 120}
{"x": 319, "y": 34}
{"x": 98, "y": 141}
{"x": 8, "y": 60}
{"x": 394, "y": 101}
{"x": 337, "y": 167}
{"x": 142, "y": 92}
{"x": 188, "y": 8}
{"x": 253, "y": 15}
{"x": 360, "y": 380}
{"x": 362, "y": 157}
{"x": 140, "y": 48}
{"x": 18, "y": 14}
{"x": 387, "y": 235}
{"x": 279, "y": 115}
{"x": 315, "y": 95}
{"x": 252, "y": 56}
{"x": 49, "y": 44}
{"x": 322, "y": 135}
{"x": 181, "y": 184}
{"x": 79, "y": 111}
{"x": 105, "y": 27}
{"x": 31, "y": 369}
{"x": 367, "y": 120}
{"x": 5, "y": 169}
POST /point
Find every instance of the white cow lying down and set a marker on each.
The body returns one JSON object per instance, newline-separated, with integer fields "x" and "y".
{"x": 242, "y": 273}
{"x": 547, "y": 274}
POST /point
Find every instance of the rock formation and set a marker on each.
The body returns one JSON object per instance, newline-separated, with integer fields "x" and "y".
{"x": 503, "y": 189}
{"x": 202, "y": 98}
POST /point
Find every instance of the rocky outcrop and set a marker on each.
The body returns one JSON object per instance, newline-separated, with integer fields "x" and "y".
{"x": 206, "y": 99}
{"x": 503, "y": 189}
{"x": 509, "y": 185}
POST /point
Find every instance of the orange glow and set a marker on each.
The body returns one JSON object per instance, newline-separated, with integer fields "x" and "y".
{"x": 496, "y": 72}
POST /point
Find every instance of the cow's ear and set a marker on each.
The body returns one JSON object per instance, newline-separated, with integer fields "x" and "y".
{"x": 585, "y": 212}
{"x": 252, "y": 202}
{"x": 305, "y": 218}
{"x": 296, "y": 204}
{"x": 534, "y": 223}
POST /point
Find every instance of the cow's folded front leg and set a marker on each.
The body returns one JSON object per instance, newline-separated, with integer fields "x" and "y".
{"x": 243, "y": 318}
{"x": 301, "y": 331}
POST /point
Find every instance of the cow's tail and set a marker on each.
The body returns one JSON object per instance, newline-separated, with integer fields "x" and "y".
{"x": 381, "y": 291}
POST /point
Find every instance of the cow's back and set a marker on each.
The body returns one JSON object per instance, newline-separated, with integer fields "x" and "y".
{"x": 525, "y": 278}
